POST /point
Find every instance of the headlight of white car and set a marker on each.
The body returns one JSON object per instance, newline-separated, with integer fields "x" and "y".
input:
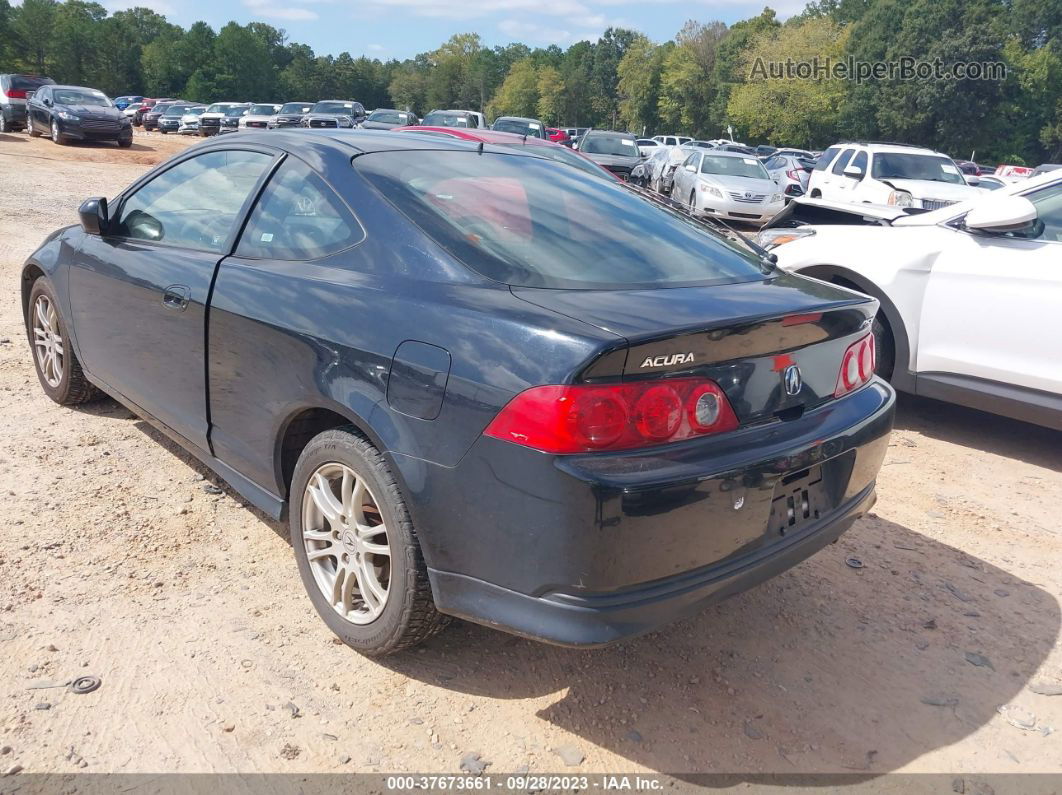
{"x": 711, "y": 191}
{"x": 901, "y": 198}
{"x": 773, "y": 238}
{"x": 777, "y": 197}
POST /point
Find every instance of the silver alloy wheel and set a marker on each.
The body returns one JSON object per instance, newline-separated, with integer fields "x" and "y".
{"x": 346, "y": 543}
{"x": 55, "y": 131}
{"x": 48, "y": 341}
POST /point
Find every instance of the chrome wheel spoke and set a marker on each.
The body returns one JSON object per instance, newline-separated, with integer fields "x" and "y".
{"x": 346, "y": 543}
{"x": 47, "y": 341}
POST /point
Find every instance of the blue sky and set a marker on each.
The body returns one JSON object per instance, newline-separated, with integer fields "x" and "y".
{"x": 402, "y": 28}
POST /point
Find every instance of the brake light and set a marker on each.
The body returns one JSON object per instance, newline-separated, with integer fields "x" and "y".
{"x": 792, "y": 174}
{"x": 588, "y": 418}
{"x": 857, "y": 366}
{"x": 15, "y": 93}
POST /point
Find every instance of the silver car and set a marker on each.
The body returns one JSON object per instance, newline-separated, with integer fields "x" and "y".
{"x": 790, "y": 173}
{"x": 727, "y": 185}
{"x": 189, "y": 124}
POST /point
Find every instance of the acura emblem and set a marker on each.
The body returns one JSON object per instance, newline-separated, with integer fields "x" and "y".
{"x": 792, "y": 379}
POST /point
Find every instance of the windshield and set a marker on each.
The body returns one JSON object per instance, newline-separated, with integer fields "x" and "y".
{"x": 518, "y": 127}
{"x": 236, "y": 112}
{"x": 445, "y": 120}
{"x": 218, "y": 107}
{"x": 733, "y": 167}
{"x": 531, "y": 222}
{"x": 900, "y": 165}
{"x": 262, "y": 110}
{"x": 175, "y": 110}
{"x": 194, "y": 111}
{"x": 80, "y": 96}
{"x": 344, "y": 108}
{"x": 563, "y": 154}
{"x": 389, "y": 117}
{"x": 609, "y": 145}
{"x": 296, "y": 107}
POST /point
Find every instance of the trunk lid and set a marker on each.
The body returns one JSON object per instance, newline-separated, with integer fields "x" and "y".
{"x": 743, "y": 336}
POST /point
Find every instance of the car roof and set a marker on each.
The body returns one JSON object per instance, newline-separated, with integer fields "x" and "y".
{"x": 481, "y": 134}
{"x": 610, "y": 133}
{"x": 371, "y": 141}
{"x": 514, "y": 118}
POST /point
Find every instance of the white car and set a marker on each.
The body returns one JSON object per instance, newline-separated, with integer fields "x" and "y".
{"x": 210, "y": 119}
{"x": 892, "y": 174}
{"x": 971, "y": 295}
{"x": 726, "y": 185}
{"x": 189, "y": 124}
{"x": 259, "y": 116}
{"x": 647, "y": 146}
{"x": 672, "y": 140}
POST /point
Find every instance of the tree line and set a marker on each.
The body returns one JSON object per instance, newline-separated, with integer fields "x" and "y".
{"x": 699, "y": 83}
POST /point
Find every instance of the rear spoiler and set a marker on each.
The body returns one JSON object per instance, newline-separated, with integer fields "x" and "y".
{"x": 823, "y": 211}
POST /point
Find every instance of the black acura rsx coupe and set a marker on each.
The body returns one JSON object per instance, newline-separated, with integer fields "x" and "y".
{"x": 478, "y": 382}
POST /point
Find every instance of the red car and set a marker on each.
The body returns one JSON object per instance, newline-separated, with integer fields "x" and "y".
{"x": 549, "y": 149}
{"x": 558, "y": 136}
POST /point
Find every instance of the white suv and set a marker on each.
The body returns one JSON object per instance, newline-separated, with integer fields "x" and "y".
{"x": 893, "y": 174}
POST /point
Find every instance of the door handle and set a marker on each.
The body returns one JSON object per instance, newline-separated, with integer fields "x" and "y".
{"x": 176, "y": 297}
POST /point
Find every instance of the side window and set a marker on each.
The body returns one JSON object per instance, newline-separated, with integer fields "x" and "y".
{"x": 842, "y": 161}
{"x": 860, "y": 160}
{"x": 298, "y": 218}
{"x": 690, "y": 161}
{"x": 826, "y": 157}
{"x": 773, "y": 163}
{"x": 196, "y": 203}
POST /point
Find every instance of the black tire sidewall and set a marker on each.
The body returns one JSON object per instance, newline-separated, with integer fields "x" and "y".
{"x": 60, "y": 394}
{"x": 345, "y": 448}
{"x": 885, "y": 348}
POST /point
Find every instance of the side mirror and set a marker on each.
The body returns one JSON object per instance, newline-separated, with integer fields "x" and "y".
{"x": 691, "y": 168}
{"x": 93, "y": 214}
{"x": 1002, "y": 214}
{"x": 47, "y": 102}
{"x": 853, "y": 171}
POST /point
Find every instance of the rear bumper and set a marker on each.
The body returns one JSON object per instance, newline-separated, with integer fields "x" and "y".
{"x": 587, "y": 620}
{"x": 586, "y": 550}
{"x": 14, "y": 114}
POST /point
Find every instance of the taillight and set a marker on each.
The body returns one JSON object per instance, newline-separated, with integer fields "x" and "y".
{"x": 857, "y": 366}
{"x": 588, "y": 418}
{"x": 792, "y": 174}
{"x": 15, "y": 93}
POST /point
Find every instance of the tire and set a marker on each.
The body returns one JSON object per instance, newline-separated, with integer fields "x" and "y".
{"x": 65, "y": 384}
{"x": 4, "y": 126}
{"x": 125, "y": 143}
{"x": 33, "y": 133}
{"x": 691, "y": 205}
{"x": 57, "y": 137}
{"x": 816, "y": 194}
{"x": 407, "y": 615}
{"x": 884, "y": 347}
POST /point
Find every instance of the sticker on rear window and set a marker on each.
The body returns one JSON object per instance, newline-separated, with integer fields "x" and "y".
{"x": 267, "y": 237}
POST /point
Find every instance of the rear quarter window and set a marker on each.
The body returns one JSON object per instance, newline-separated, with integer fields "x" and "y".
{"x": 826, "y": 157}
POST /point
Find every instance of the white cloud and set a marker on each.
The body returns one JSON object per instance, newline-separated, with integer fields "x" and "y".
{"x": 263, "y": 8}
{"x": 481, "y": 8}
{"x": 535, "y": 33}
{"x": 376, "y": 47}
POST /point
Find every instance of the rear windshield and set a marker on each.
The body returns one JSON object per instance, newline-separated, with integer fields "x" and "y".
{"x": 533, "y": 222}
{"x": 296, "y": 107}
{"x": 389, "y": 117}
{"x": 519, "y": 127}
{"x": 28, "y": 82}
{"x": 733, "y": 166}
{"x": 333, "y": 107}
{"x": 609, "y": 145}
{"x": 80, "y": 96}
{"x": 898, "y": 165}
{"x": 446, "y": 120}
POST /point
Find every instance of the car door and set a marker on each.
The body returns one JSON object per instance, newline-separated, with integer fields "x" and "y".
{"x": 681, "y": 189}
{"x": 992, "y": 303}
{"x": 37, "y": 113}
{"x": 138, "y": 293}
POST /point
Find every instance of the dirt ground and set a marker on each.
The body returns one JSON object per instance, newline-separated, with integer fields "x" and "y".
{"x": 117, "y": 560}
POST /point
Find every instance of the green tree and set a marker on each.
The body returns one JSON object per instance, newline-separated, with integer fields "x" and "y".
{"x": 32, "y": 25}
{"x": 518, "y": 94}
{"x": 792, "y": 111}
{"x": 74, "y": 42}
{"x": 689, "y": 86}
{"x": 639, "y": 75}
{"x": 550, "y": 105}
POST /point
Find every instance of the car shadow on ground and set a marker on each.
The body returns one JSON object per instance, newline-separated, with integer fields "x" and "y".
{"x": 824, "y": 669}
{"x": 979, "y": 430}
